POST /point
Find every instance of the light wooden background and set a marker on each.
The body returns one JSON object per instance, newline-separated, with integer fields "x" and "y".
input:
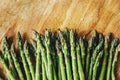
{"x": 82, "y": 15}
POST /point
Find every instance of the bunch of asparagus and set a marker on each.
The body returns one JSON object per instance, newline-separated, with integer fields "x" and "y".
{"x": 61, "y": 56}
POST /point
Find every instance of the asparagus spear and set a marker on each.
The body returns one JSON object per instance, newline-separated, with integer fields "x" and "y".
{"x": 33, "y": 46}
{"x": 44, "y": 76}
{"x": 16, "y": 63}
{"x": 54, "y": 55}
{"x": 59, "y": 72}
{"x": 96, "y": 65}
{"x": 24, "y": 61}
{"x": 93, "y": 58}
{"x": 5, "y": 56}
{"x": 66, "y": 55}
{"x": 91, "y": 44}
{"x": 61, "y": 61}
{"x": 104, "y": 64}
{"x": 110, "y": 58}
{"x": 79, "y": 62}
{"x": 49, "y": 57}
{"x": 5, "y": 46}
{"x": 41, "y": 48}
{"x": 114, "y": 62}
{"x": 82, "y": 46}
{"x": 73, "y": 55}
{"x": 9, "y": 74}
{"x": 27, "y": 55}
{"x": 66, "y": 35}
{"x": 38, "y": 58}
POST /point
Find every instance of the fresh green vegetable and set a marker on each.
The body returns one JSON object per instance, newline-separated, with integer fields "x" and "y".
{"x": 82, "y": 46}
{"x": 16, "y": 63}
{"x": 105, "y": 57}
{"x": 91, "y": 44}
{"x": 73, "y": 55}
{"x": 96, "y": 65}
{"x": 114, "y": 62}
{"x": 93, "y": 58}
{"x": 27, "y": 55}
{"x": 44, "y": 75}
{"x": 41, "y": 48}
{"x": 79, "y": 62}
{"x": 22, "y": 54}
{"x": 5, "y": 46}
{"x": 9, "y": 74}
{"x": 61, "y": 56}
{"x": 110, "y": 58}
{"x": 49, "y": 57}
{"x": 66, "y": 55}
{"x": 61, "y": 61}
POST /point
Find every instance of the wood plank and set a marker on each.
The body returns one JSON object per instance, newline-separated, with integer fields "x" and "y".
{"x": 82, "y": 15}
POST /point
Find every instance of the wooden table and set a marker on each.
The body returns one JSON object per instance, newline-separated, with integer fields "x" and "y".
{"x": 82, "y": 15}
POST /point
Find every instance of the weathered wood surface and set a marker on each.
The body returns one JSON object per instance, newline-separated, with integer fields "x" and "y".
{"x": 82, "y": 15}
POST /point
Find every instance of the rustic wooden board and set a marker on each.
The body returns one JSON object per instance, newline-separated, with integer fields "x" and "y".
{"x": 82, "y": 15}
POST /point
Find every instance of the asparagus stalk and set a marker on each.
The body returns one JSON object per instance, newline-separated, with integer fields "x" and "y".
{"x": 66, "y": 55}
{"x": 16, "y": 63}
{"x": 114, "y": 62}
{"x": 49, "y": 57}
{"x": 59, "y": 72}
{"x": 54, "y": 55}
{"x": 5, "y": 46}
{"x": 44, "y": 76}
{"x": 91, "y": 44}
{"x": 41, "y": 48}
{"x": 104, "y": 64}
{"x": 22, "y": 54}
{"x": 96, "y": 65}
{"x": 82, "y": 46}
{"x": 66, "y": 35}
{"x": 38, "y": 64}
{"x": 33, "y": 46}
{"x": 79, "y": 63}
{"x": 110, "y": 58}
{"x": 27, "y": 55}
{"x": 9, "y": 74}
{"x": 73, "y": 55}
{"x": 5, "y": 56}
{"x": 61, "y": 61}
{"x": 93, "y": 58}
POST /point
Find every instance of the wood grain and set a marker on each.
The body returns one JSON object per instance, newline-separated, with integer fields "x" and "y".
{"x": 82, "y": 15}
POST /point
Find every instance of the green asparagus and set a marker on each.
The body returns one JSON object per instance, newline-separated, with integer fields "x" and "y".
{"x": 22, "y": 54}
{"x": 95, "y": 52}
{"x": 44, "y": 76}
{"x": 96, "y": 65}
{"x": 79, "y": 62}
{"x": 105, "y": 57}
{"x": 91, "y": 44}
{"x": 9, "y": 74}
{"x": 27, "y": 55}
{"x": 66, "y": 55}
{"x": 82, "y": 46}
{"x": 41, "y": 48}
{"x": 5, "y": 46}
{"x": 16, "y": 63}
{"x": 33, "y": 46}
{"x": 73, "y": 55}
{"x": 61, "y": 56}
{"x": 61, "y": 61}
{"x": 110, "y": 58}
{"x": 114, "y": 62}
{"x": 49, "y": 57}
